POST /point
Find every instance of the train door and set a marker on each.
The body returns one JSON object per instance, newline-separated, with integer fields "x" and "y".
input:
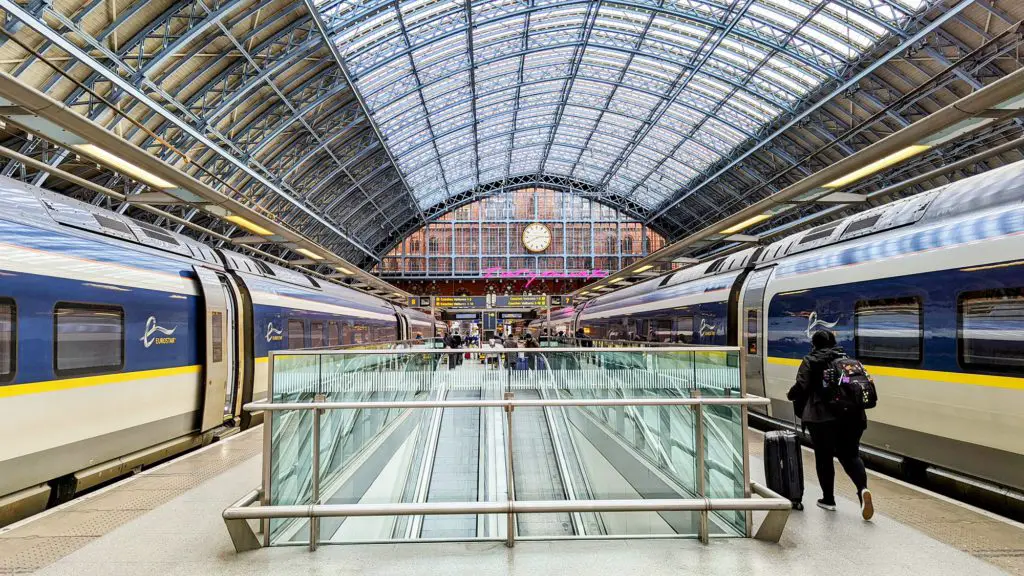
{"x": 230, "y": 356}
{"x": 752, "y": 325}
{"x": 219, "y": 349}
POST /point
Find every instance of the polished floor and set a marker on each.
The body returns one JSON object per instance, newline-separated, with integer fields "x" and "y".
{"x": 167, "y": 522}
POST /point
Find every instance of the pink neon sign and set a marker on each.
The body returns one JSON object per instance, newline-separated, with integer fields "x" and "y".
{"x": 499, "y": 272}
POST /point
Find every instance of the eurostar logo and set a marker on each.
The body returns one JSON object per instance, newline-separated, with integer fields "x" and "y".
{"x": 149, "y": 336}
{"x": 813, "y": 324}
{"x": 273, "y": 334}
{"x": 706, "y": 328}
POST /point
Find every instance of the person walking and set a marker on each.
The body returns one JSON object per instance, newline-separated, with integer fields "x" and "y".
{"x": 531, "y": 357}
{"x": 510, "y": 342}
{"x": 834, "y": 433}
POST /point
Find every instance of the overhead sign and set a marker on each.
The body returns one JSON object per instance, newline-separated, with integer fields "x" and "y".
{"x": 449, "y": 302}
{"x": 521, "y": 301}
{"x": 419, "y": 301}
{"x": 526, "y": 315}
{"x": 557, "y": 301}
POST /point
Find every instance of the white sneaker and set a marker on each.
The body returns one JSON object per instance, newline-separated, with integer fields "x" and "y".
{"x": 867, "y": 507}
{"x": 830, "y": 506}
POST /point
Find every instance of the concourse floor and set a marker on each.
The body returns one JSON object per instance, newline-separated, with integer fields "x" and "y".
{"x": 167, "y": 522}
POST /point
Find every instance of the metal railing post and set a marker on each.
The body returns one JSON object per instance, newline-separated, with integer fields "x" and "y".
{"x": 510, "y": 537}
{"x": 745, "y": 438}
{"x": 702, "y": 529}
{"x": 268, "y": 431}
{"x": 314, "y": 522}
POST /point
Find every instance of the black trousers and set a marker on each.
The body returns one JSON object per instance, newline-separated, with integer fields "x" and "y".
{"x": 839, "y": 439}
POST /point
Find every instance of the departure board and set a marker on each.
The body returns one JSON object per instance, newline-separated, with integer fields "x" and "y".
{"x": 521, "y": 301}
{"x": 449, "y": 302}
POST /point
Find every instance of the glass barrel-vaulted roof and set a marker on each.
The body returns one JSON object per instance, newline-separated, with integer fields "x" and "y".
{"x": 635, "y": 98}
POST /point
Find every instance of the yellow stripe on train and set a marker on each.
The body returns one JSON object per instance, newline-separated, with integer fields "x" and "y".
{"x": 932, "y": 375}
{"x": 88, "y": 381}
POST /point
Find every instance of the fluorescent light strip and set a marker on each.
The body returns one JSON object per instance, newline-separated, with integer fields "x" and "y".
{"x": 249, "y": 225}
{"x": 309, "y": 254}
{"x": 878, "y": 165}
{"x": 745, "y": 224}
{"x": 643, "y": 268}
{"x": 112, "y": 161}
{"x": 344, "y": 270}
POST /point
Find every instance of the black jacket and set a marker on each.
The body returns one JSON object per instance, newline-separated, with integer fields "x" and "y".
{"x": 807, "y": 391}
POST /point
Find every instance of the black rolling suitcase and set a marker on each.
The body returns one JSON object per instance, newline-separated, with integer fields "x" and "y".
{"x": 784, "y": 465}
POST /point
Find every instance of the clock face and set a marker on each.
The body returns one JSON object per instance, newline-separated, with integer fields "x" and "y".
{"x": 536, "y": 237}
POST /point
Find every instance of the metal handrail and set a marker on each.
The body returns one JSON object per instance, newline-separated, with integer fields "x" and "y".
{"x": 236, "y": 516}
{"x": 591, "y": 349}
{"x": 775, "y": 502}
{"x": 508, "y": 403}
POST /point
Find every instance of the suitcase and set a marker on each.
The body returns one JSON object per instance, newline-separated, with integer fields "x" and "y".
{"x": 784, "y": 465}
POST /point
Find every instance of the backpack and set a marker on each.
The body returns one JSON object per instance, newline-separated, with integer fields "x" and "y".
{"x": 848, "y": 386}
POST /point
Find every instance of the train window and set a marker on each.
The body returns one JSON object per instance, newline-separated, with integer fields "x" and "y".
{"x": 333, "y": 334}
{"x": 889, "y": 331}
{"x": 296, "y": 335}
{"x": 88, "y": 339}
{"x": 217, "y": 336}
{"x": 8, "y": 340}
{"x": 316, "y": 334}
{"x": 684, "y": 329}
{"x": 991, "y": 330}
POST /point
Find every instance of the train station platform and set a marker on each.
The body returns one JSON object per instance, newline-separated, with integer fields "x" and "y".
{"x": 168, "y": 521}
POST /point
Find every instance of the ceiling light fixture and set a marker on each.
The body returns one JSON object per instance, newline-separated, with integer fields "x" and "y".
{"x": 112, "y": 161}
{"x": 249, "y": 225}
{"x": 745, "y": 224}
{"x": 879, "y": 165}
{"x": 309, "y": 254}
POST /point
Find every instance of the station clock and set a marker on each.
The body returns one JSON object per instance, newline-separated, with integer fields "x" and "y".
{"x": 536, "y": 237}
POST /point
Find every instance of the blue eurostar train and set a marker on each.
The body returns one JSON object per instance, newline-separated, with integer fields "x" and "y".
{"x": 122, "y": 343}
{"x": 928, "y": 292}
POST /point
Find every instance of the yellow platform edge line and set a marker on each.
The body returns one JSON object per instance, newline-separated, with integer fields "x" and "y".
{"x": 933, "y": 375}
{"x": 89, "y": 381}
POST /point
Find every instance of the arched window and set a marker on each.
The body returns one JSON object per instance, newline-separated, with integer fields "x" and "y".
{"x": 647, "y": 244}
{"x": 627, "y": 245}
{"x": 433, "y": 245}
{"x": 609, "y": 245}
{"x": 414, "y": 246}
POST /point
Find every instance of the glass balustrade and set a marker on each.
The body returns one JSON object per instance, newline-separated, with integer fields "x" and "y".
{"x": 420, "y": 425}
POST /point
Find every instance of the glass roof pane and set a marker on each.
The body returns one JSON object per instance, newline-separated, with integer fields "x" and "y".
{"x": 636, "y": 99}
